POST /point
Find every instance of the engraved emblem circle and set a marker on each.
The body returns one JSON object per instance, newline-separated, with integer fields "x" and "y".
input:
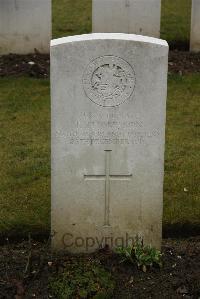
{"x": 109, "y": 81}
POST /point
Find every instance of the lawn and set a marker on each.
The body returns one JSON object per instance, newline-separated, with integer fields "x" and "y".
{"x": 175, "y": 21}
{"x": 25, "y": 131}
{"x": 25, "y": 154}
{"x": 75, "y": 18}
{"x": 182, "y": 155}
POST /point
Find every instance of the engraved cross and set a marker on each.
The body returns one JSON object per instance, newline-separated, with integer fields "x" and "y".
{"x": 107, "y": 177}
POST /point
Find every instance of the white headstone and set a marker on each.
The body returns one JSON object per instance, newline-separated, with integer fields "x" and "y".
{"x": 127, "y": 16}
{"x": 108, "y": 133}
{"x": 25, "y": 25}
{"x": 195, "y": 27}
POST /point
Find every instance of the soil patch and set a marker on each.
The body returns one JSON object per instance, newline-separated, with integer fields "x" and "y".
{"x": 32, "y": 65}
{"x": 184, "y": 62}
{"x": 38, "y": 65}
{"x": 26, "y": 267}
{"x": 179, "y": 45}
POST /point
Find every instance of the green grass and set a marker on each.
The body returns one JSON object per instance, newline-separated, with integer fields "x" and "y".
{"x": 182, "y": 151}
{"x": 175, "y": 20}
{"x": 25, "y": 153}
{"x": 25, "y": 131}
{"x": 71, "y": 17}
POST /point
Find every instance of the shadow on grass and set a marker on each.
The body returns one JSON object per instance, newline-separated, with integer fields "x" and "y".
{"x": 179, "y": 45}
{"x": 176, "y": 230}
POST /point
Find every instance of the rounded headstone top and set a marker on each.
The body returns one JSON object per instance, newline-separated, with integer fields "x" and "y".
{"x": 109, "y": 36}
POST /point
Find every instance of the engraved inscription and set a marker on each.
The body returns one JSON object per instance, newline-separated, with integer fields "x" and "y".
{"x": 109, "y": 81}
{"x": 109, "y": 129}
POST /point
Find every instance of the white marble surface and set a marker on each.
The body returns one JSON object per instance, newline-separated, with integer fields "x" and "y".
{"x": 25, "y": 25}
{"x": 108, "y": 95}
{"x": 127, "y": 16}
{"x": 195, "y": 27}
